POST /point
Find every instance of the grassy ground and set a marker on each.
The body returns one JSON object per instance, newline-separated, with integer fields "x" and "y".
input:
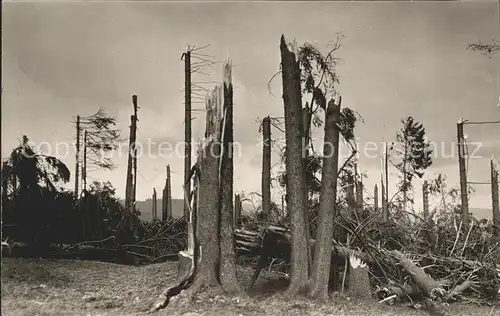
{"x": 71, "y": 287}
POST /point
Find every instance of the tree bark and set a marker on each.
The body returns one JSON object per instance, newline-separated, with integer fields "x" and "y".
{"x": 323, "y": 247}
{"x": 169, "y": 194}
{"x": 208, "y": 217}
{"x": 463, "y": 173}
{"x": 295, "y": 188}
{"x": 266, "y": 166}
{"x": 227, "y": 272}
{"x": 385, "y": 213}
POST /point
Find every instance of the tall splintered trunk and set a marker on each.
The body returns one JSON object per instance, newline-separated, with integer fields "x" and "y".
{"x": 77, "y": 163}
{"x": 166, "y": 208}
{"x": 187, "y": 125}
{"x": 134, "y": 163}
{"x": 386, "y": 173}
{"x": 494, "y": 200}
{"x": 266, "y": 166}
{"x": 385, "y": 214}
{"x": 306, "y": 124}
{"x": 83, "y": 208}
{"x": 359, "y": 194}
{"x": 130, "y": 179}
{"x": 463, "y": 173}
{"x": 169, "y": 194}
{"x": 295, "y": 185}
{"x": 375, "y": 198}
{"x": 227, "y": 271}
{"x": 323, "y": 247}
{"x": 84, "y": 168}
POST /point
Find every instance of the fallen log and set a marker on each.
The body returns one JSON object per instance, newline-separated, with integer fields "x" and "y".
{"x": 427, "y": 284}
{"x": 457, "y": 291}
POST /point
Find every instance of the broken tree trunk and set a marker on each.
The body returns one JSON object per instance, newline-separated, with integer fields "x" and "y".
{"x": 227, "y": 273}
{"x": 77, "y": 158}
{"x": 166, "y": 207}
{"x": 385, "y": 212}
{"x": 430, "y": 287}
{"x": 328, "y": 196}
{"x": 463, "y": 173}
{"x": 207, "y": 231}
{"x": 351, "y": 202}
{"x": 295, "y": 186}
{"x": 134, "y": 219}
{"x": 494, "y": 200}
{"x": 154, "y": 210}
{"x": 187, "y": 123}
{"x": 266, "y": 166}
{"x": 214, "y": 234}
{"x": 375, "y": 198}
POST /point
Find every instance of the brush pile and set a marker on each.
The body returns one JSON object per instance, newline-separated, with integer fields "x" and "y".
{"x": 409, "y": 258}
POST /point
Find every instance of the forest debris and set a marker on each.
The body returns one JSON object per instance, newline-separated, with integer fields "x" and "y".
{"x": 427, "y": 284}
{"x": 359, "y": 283}
{"x": 454, "y": 293}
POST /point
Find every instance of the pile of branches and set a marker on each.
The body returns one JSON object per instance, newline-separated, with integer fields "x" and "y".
{"x": 157, "y": 242}
{"x": 410, "y": 258}
{"x": 462, "y": 259}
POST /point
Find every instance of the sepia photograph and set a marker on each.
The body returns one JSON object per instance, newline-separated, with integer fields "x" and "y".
{"x": 250, "y": 158}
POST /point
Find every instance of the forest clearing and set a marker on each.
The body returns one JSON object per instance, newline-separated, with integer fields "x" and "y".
{"x": 74, "y": 288}
{"x": 331, "y": 229}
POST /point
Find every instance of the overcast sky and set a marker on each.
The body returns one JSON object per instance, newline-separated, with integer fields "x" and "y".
{"x": 397, "y": 59}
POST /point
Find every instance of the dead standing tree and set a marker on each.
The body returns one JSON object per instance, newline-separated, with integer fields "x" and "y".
{"x": 320, "y": 273}
{"x": 166, "y": 206}
{"x": 494, "y": 199}
{"x": 187, "y": 123}
{"x": 191, "y": 95}
{"x": 266, "y": 166}
{"x": 214, "y": 236}
{"x": 131, "y": 170}
{"x": 295, "y": 186}
{"x": 155, "y": 205}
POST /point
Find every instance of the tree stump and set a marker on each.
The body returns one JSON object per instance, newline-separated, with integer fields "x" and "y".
{"x": 359, "y": 283}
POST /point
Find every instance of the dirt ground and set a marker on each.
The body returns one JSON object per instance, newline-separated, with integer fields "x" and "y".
{"x": 71, "y": 287}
